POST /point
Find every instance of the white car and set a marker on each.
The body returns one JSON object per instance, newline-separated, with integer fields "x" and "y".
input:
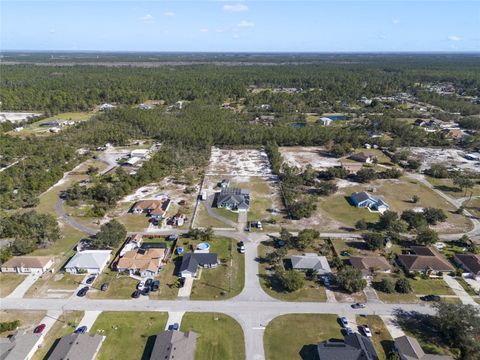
{"x": 440, "y": 245}
{"x": 141, "y": 285}
{"x": 366, "y": 331}
{"x": 242, "y": 249}
{"x": 348, "y": 330}
{"x": 344, "y": 322}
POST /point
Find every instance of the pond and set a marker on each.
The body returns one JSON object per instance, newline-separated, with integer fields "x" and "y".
{"x": 297, "y": 125}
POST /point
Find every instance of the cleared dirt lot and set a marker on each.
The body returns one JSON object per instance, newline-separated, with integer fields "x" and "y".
{"x": 301, "y": 156}
{"x": 446, "y": 157}
{"x": 241, "y": 162}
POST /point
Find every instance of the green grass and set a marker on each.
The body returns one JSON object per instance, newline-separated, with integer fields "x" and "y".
{"x": 134, "y": 222}
{"x": 204, "y": 220}
{"x": 8, "y": 283}
{"x": 448, "y": 187}
{"x": 431, "y": 286}
{"x": 120, "y": 286}
{"x": 312, "y": 291}
{"x": 227, "y": 214}
{"x": 65, "y": 325}
{"x": 225, "y": 281}
{"x": 219, "y": 336}
{"x": 127, "y": 333}
{"x": 64, "y": 245}
{"x": 382, "y": 340}
{"x": 296, "y": 336}
{"x": 168, "y": 281}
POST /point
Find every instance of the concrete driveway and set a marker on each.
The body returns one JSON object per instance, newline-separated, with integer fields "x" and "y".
{"x": 185, "y": 291}
{"x": 23, "y": 287}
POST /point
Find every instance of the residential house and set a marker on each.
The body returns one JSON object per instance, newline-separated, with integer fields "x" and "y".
{"x": 409, "y": 349}
{"x": 425, "y": 260}
{"x": 363, "y": 157}
{"x": 28, "y": 264}
{"x": 311, "y": 261}
{"x": 133, "y": 161}
{"x": 20, "y": 346}
{"x": 326, "y": 121}
{"x": 470, "y": 263}
{"x": 141, "y": 261}
{"x": 105, "y": 107}
{"x": 192, "y": 261}
{"x": 174, "y": 345}
{"x": 88, "y": 261}
{"x": 133, "y": 242}
{"x": 233, "y": 199}
{"x": 370, "y": 264}
{"x": 154, "y": 208}
{"x": 354, "y": 347}
{"x": 351, "y": 167}
{"x": 77, "y": 347}
{"x": 365, "y": 200}
{"x": 140, "y": 153}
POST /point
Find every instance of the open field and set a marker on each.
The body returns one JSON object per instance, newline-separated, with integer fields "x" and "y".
{"x": 238, "y": 162}
{"x": 225, "y": 281}
{"x": 473, "y": 206}
{"x": 219, "y": 336}
{"x": 301, "y": 156}
{"x": 28, "y": 319}
{"x": 381, "y": 338}
{"x": 296, "y": 336}
{"x": 128, "y": 334}
{"x": 448, "y": 187}
{"x": 446, "y": 157}
{"x": 65, "y": 325}
{"x": 397, "y": 194}
{"x": 8, "y": 283}
{"x": 312, "y": 291}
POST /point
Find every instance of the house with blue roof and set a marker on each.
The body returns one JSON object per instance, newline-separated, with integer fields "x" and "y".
{"x": 365, "y": 200}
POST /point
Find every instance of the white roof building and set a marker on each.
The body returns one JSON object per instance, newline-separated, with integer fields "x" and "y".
{"x": 90, "y": 261}
{"x": 141, "y": 153}
{"x": 311, "y": 261}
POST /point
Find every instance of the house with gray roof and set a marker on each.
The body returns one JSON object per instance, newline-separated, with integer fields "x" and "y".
{"x": 174, "y": 345}
{"x": 365, "y": 200}
{"x": 409, "y": 349}
{"x": 192, "y": 261}
{"x": 20, "y": 346}
{"x": 470, "y": 263}
{"x": 311, "y": 261}
{"x": 354, "y": 347}
{"x": 89, "y": 261}
{"x": 77, "y": 347}
{"x": 233, "y": 199}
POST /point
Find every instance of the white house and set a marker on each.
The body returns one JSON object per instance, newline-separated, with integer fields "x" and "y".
{"x": 140, "y": 153}
{"x": 89, "y": 261}
{"x": 326, "y": 121}
{"x": 28, "y": 264}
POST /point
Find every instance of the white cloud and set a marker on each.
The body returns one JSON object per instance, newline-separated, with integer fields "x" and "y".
{"x": 235, "y": 7}
{"x": 246, "y": 24}
{"x": 169, "y": 13}
{"x": 454, "y": 38}
{"x": 396, "y": 21}
{"x": 147, "y": 18}
{"x": 204, "y": 30}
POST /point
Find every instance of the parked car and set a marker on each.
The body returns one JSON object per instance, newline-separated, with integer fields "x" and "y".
{"x": 136, "y": 294}
{"x": 344, "y": 322}
{"x": 39, "y": 329}
{"x": 348, "y": 330}
{"x": 141, "y": 285}
{"x": 326, "y": 280}
{"x": 90, "y": 280}
{"x": 174, "y": 327}
{"x": 83, "y": 291}
{"x": 104, "y": 286}
{"x": 358, "y": 306}
{"x": 81, "y": 330}
{"x": 345, "y": 253}
{"x": 430, "y": 297}
{"x": 366, "y": 331}
{"x": 146, "y": 291}
{"x": 148, "y": 282}
{"x": 155, "y": 285}
{"x": 181, "y": 282}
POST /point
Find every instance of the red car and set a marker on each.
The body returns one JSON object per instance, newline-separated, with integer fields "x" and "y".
{"x": 39, "y": 329}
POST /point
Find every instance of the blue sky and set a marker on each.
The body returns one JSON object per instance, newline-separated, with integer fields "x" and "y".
{"x": 285, "y": 25}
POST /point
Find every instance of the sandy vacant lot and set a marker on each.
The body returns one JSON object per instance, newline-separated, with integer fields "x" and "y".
{"x": 301, "y": 156}
{"x": 16, "y": 116}
{"x": 447, "y": 157}
{"x": 241, "y": 162}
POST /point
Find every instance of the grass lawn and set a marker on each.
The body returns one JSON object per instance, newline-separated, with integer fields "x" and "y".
{"x": 447, "y": 186}
{"x": 219, "y": 336}
{"x": 227, "y": 214}
{"x": 473, "y": 206}
{"x": 63, "y": 246}
{"x": 128, "y": 334}
{"x": 204, "y": 220}
{"x": 227, "y": 280}
{"x": 296, "y": 336}
{"x": 312, "y": 291}
{"x": 8, "y": 283}
{"x": 381, "y": 338}
{"x": 120, "y": 286}
{"x": 65, "y": 325}
{"x": 28, "y": 319}
{"x": 431, "y": 286}
{"x": 168, "y": 281}
{"x": 394, "y": 297}
{"x": 397, "y": 194}
{"x": 134, "y": 222}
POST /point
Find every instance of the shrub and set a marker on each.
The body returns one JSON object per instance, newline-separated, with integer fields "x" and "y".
{"x": 387, "y": 286}
{"x": 403, "y": 286}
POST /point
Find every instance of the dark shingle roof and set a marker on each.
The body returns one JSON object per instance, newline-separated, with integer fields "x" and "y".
{"x": 355, "y": 347}
{"x": 77, "y": 347}
{"x": 470, "y": 261}
{"x": 191, "y": 261}
{"x": 174, "y": 345}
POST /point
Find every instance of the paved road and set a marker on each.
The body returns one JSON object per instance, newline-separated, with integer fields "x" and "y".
{"x": 70, "y": 221}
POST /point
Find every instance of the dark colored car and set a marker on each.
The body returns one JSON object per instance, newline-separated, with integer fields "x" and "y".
{"x": 148, "y": 282}
{"x": 81, "y": 330}
{"x": 146, "y": 291}
{"x": 358, "y": 306}
{"x": 430, "y": 297}
{"x": 173, "y": 327}
{"x": 155, "y": 285}
{"x": 90, "y": 280}
{"x": 136, "y": 294}
{"x": 83, "y": 291}
{"x": 39, "y": 329}
{"x": 104, "y": 286}
{"x": 181, "y": 282}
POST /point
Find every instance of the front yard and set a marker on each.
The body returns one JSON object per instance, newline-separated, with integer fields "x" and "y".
{"x": 59, "y": 282}
{"x": 296, "y": 336}
{"x": 219, "y": 336}
{"x": 381, "y": 338}
{"x": 8, "y": 283}
{"x": 128, "y": 334}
